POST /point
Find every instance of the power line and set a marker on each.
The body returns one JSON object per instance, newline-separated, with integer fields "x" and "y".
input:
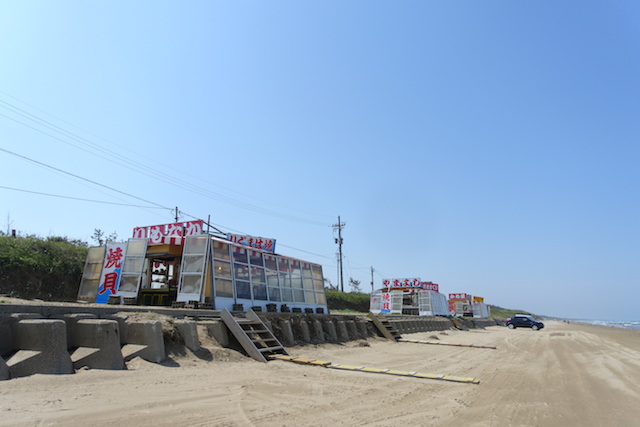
{"x": 79, "y": 198}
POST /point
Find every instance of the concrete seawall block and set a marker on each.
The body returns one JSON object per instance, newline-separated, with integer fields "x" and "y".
{"x": 189, "y": 333}
{"x": 42, "y": 348}
{"x": 304, "y": 329}
{"x": 352, "y": 329}
{"x": 4, "y": 370}
{"x": 7, "y": 323}
{"x": 287, "y": 332}
{"x": 144, "y": 339}
{"x": 318, "y": 332}
{"x": 98, "y": 344}
{"x": 362, "y": 328}
{"x": 330, "y": 330}
{"x": 71, "y": 320}
{"x": 217, "y": 330}
{"x": 343, "y": 335}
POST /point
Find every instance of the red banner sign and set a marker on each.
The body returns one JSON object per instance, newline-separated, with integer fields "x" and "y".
{"x": 429, "y": 286}
{"x": 458, "y": 297}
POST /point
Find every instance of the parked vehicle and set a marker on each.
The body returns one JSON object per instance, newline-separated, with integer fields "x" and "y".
{"x": 524, "y": 321}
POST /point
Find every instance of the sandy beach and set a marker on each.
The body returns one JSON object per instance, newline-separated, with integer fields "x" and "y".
{"x": 565, "y": 375}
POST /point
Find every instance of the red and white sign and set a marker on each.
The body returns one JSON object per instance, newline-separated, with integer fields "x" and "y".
{"x": 385, "y": 303}
{"x": 401, "y": 283}
{"x": 428, "y": 286}
{"x": 172, "y": 234}
{"x": 458, "y": 297}
{"x": 262, "y": 243}
{"x": 111, "y": 271}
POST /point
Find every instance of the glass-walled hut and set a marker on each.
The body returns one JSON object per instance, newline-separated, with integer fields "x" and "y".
{"x": 201, "y": 268}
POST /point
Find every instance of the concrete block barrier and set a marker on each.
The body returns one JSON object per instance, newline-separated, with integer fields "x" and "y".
{"x": 7, "y": 324}
{"x": 287, "y": 332}
{"x": 71, "y": 320}
{"x": 4, "y": 370}
{"x": 98, "y": 344}
{"x": 189, "y": 333}
{"x": 144, "y": 339}
{"x": 42, "y": 348}
{"x": 217, "y": 330}
{"x": 318, "y": 332}
{"x": 304, "y": 330}
{"x": 343, "y": 335}
{"x": 352, "y": 329}
{"x": 330, "y": 329}
{"x": 362, "y": 328}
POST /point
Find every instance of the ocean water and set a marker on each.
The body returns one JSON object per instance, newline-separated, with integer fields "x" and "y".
{"x": 627, "y": 324}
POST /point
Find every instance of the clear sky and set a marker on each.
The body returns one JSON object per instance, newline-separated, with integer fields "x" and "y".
{"x": 490, "y": 147}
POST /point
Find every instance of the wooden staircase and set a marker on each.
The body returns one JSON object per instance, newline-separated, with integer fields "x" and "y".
{"x": 385, "y": 327}
{"x": 253, "y": 335}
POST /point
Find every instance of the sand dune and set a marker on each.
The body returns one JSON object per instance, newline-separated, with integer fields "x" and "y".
{"x": 564, "y": 375}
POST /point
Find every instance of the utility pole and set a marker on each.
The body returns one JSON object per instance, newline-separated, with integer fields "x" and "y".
{"x": 340, "y": 226}
{"x": 371, "y": 279}
{"x": 176, "y": 214}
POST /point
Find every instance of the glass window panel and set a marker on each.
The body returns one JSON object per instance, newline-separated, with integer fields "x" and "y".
{"x": 320, "y": 298}
{"x": 243, "y": 290}
{"x": 89, "y": 288}
{"x": 318, "y": 285}
{"x": 287, "y": 294}
{"x": 316, "y": 271}
{"x": 239, "y": 255}
{"x": 191, "y": 284}
{"x": 92, "y": 271}
{"x": 270, "y": 262}
{"x": 96, "y": 254}
{"x": 310, "y": 296}
{"x": 128, "y": 283}
{"x": 298, "y": 295}
{"x": 241, "y": 271}
{"x": 257, "y": 275}
{"x": 260, "y": 292}
{"x": 193, "y": 263}
{"x": 137, "y": 247}
{"x": 296, "y": 281}
{"x": 274, "y": 294}
{"x": 306, "y": 269}
{"x": 285, "y": 280}
{"x": 283, "y": 264}
{"x": 307, "y": 282}
{"x": 272, "y": 278}
{"x": 222, "y": 269}
{"x": 220, "y": 250}
{"x": 196, "y": 245}
{"x": 132, "y": 265}
{"x": 255, "y": 258}
{"x": 224, "y": 288}
{"x": 295, "y": 267}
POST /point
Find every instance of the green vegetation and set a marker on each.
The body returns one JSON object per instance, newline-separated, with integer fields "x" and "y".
{"x": 48, "y": 269}
{"x": 347, "y": 302}
{"x": 504, "y": 313}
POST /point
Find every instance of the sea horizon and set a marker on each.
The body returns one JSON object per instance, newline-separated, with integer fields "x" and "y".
{"x": 625, "y": 324}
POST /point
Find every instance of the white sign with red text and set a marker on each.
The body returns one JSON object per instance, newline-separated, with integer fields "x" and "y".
{"x": 172, "y": 234}
{"x": 401, "y": 283}
{"x": 261, "y": 243}
{"x": 458, "y": 297}
{"x": 429, "y": 286}
{"x": 111, "y": 271}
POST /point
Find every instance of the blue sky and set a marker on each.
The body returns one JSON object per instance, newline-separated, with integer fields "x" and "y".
{"x": 490, "y": 147}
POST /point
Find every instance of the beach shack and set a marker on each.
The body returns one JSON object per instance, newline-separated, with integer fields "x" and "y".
{"x": 463, "y": 304}
{"x": 409, "y": 296}
{"x": 177, "y": 264}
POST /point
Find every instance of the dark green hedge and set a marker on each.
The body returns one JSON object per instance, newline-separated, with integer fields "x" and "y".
{"x": 49, "y": 269}
{"x": 348, "y": 301}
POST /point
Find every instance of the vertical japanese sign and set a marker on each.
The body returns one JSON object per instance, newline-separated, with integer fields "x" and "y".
{"x": 111, "y": 271}
{"x": 385, "y": 303}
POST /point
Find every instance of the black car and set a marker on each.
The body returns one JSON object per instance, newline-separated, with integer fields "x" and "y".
{"x": 524, "y": 321}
